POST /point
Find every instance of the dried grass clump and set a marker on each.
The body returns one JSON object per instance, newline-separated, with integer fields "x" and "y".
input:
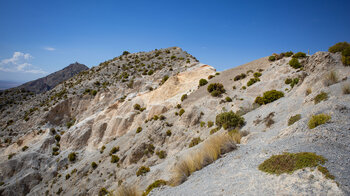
{"x": 209, "y": 151}
{"x": 346, "y": 89}
{"x": 331, "y": 78}
{"x": 128, "y": 191}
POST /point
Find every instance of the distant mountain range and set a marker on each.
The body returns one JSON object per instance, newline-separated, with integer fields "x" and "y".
{"x": 4, "y": 84}
{"x": 48, "y": 82}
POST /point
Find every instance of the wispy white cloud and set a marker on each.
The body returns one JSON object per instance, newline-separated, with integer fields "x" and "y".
{"x": 19, "y": 62}
{"x": 50, "y": 48}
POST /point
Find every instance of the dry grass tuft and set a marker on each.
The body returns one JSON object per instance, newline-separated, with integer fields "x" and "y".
{"x": 331, "y": 78}
{"x": 209, "y": 151}
{"x": 346, "y": 89}
{"x": 128, "y": 191}
{"x": 308, "y": 91}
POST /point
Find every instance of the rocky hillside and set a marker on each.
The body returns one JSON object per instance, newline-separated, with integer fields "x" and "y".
{"x": 163, "y": 117}
{"x": 48, "y": 82}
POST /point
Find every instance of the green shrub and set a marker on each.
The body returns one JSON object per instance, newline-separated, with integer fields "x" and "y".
{"x": 338, "y": 47}
{"x": 272, "y": 58}
{"x": 210, "y": 124}
{"x": 156, "y": 184}
{"x": 139, "y": 129}
{"x": 319, "y": 119}
{"x": 268, "y": 97}
{"x": 182, "y": 111}
{"x": 72, "y": 156}
{"x": 346, "y": 56}
{"x": 290, "y": 162}
{"x": 114, "y": 150}
{"x": 161, "y": 154}
{"x": 103, "y": 191}
{"x": 94, "y": 165}
{"x": 228, "y": 99}
{"x": 94, "y": 92}
{"x": 57, "y": 138}
{"x": 257, "y": 74}
{"x": 67, "y": 176}
{"x": 168, "y": 132}
{"x": 216, "y": 89}
{"x": 294, "y": 119}
{"x": 244, "y": 87}
{"x": 229, "y": 120}
{"x": 126, "y": 53}
{"x": 10, "y": 156}
{"x": 288, "y": 81}
{"x": 137, "y": 107}
{"x": 240, "y": 77}
{"x": 195, "y": 141}
{"x": 183, "y": 97}
{"x": 150, "y": 72}
{"x": 142, "y": 171}
{"x": 210, "y": 77}
{"x": 114, "y": 159}
{"x": 288, "y": 54}
{"x": 252, "y": 81}
{"x": 321, "y": 97}
{"x": 25, "y": 148}
{"x": 203, "y": 82}
{"x": 325, "y": 172}
{"x": 214, "y": 130}
{"x": 102, "y": 149}
{"x": 299, "y": 55}
{"x": 294, "y": 82}
{"x": 294, "y": 62}
{"x": 173, "y": 57}
{"x": 165, "y": 78}
{"x": 346, "y": 88}
{"x": 202, "y": 124}
{"x": 55, "y": 149}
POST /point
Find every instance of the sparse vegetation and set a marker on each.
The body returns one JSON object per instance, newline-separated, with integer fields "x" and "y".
{"x": 228, "y": 99}
{"x": 325, "y": 172}
{"x": 128, "y": 191}
{"x": 139, "y": 129}
{"x": 308, "y": 91}
{"x": 142, "y": 171}
{"x": 317, "y": 120}
{"x": 288, "y": 54}
{"x": 299, "y": 55}
{"x": 94, "y": 165}
{"x": 331, "y": 78}
{"x": 210, "y": 124}
{"x": 168, "y": 132}
{"x": 195, "y": 141}
{"x": 269, "y": 96}
{"x": 208, "y": 152}
{"x": 294, "y": 119}
{"x": 294, "y": 62}
{"x": 183, "y": 97}
{"x": 272, "y": 58}
{"x": 182, "y": 111}
{"x": 161, "y": 154}
{"x": 25, "y": 148}
{"x": 257, "y": 74}
{"x": 203, "y": 82}
{"x": 155, "y": 184}
{"x": 114, "y": 159}
{"x": 57, "y": 138}
{"x": 103, "y": 191}
{"x": 202, "y": 124}
{"x": 321, "y": 97}
{"x": 346, "y": 88}
{"x": 216, "y": 89}
{"x": 72, "y": 156}
{"x": 229, "y": 120}
{"x": 165, "y": 78}
{"x": 114, "y": 150}
{"x": 290, "y": 162}
{"x": 346, "y": 56}
{"x": 339, "y": 47}
{"x": 67, "y": 176}
{"x": 252, "y": 81}
{"x": 10, "y": 156}
{"x": 240, "y": 77}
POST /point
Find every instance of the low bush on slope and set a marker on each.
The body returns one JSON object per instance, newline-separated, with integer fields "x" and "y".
{"x": 155, "y": 184}
{"x": 203, "y": 82}
{"x": 299, "y": 55}
{"x": 321, "y": 97}
{"x": 344, "y": 48}
{"x": 319, "y": 119}
{"x": 294, "y": 62}
{"x": 209, "y": 151}
{"x": 229, "y": 120}
{"x": 290, "y": 162}
{"x": 216, "y": 89}
{"x": 294, "y": 119}
{"x": 124, "y": 190}
{"x": 268, "y": 97}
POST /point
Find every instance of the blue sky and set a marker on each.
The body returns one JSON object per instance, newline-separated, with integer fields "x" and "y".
{"x": 40, "y": 37}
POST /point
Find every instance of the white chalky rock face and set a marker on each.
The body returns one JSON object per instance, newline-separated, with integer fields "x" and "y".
{"x": 108, "y": 119}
